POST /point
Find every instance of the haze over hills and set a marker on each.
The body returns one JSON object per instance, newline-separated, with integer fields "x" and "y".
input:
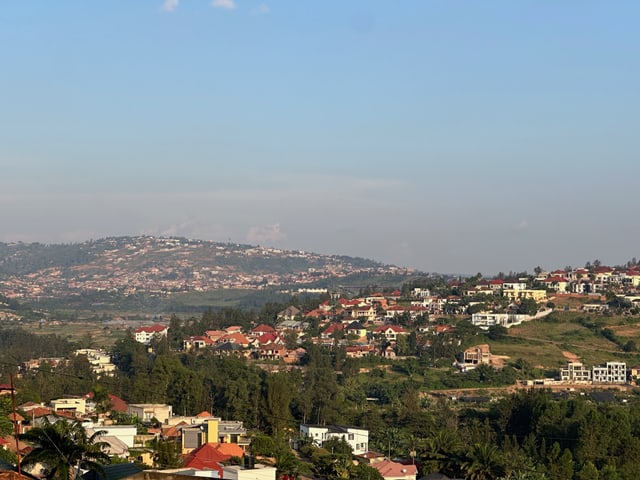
{"x": 162, "y": 266}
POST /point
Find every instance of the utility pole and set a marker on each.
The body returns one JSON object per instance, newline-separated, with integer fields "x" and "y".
{"x": 16, "y": 432}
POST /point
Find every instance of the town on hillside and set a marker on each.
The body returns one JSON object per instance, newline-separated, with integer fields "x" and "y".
{"x": 384, "y": 335}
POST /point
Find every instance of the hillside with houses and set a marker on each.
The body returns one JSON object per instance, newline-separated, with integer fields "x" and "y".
{"x": 369, "y": 385}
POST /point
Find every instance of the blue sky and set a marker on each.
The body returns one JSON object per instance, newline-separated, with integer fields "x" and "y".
{"x": 448, "y": 136}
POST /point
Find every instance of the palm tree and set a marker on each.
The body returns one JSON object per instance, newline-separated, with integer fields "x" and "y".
{"x": 483, "y": 462}
{"x": 63, "y": 447}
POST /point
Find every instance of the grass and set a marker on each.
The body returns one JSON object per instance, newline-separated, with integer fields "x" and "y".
{"x": 542, "y": 342}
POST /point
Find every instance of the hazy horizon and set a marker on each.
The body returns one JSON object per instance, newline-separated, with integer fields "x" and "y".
{"x": 446, "y": 137}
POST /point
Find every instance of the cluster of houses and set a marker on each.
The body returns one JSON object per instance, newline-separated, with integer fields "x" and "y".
{"x": 591, "y": 280}
{"x": 210, "y": 447}
{"x": 99, "y": 361}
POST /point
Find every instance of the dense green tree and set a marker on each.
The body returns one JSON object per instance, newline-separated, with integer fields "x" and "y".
{"x": 483, "y": 462}
{"x": 278, "y": 397}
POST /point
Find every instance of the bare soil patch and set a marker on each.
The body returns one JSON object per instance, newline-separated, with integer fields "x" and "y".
{"x": 572, "y": 357}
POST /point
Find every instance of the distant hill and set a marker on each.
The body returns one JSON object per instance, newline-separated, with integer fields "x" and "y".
{"x": 152, "y": 266}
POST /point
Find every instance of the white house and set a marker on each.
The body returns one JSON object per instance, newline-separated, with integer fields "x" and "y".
{"x": 145, "y": 334}
{"x": 485, "y": 320}
{"x": 357, "y": 438}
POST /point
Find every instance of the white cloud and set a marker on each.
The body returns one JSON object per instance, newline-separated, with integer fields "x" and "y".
{"x": 265, "y": 234}
{"x": 226, "y": 4}
{"x": 524, "y": 224}
{"x": 262, "y": 9}
{"x": 170, "y": 5}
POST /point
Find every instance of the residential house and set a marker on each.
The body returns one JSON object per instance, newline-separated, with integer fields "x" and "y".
{"x": 485, "y": 320}
{"x": 271, "y": 351}
{"x": 357, "y": 329}
{"x": 514, "y": 285}
{"x": 359, "y": 351}
{"x": 634, "y": 372}
{"x": 330, "y": 332}
{"x": 390, "y": 332}
{"x": 215, "y": 335}
{"x": 214, "y": 431}
{"x": 145, "y": 334}
{"x": 262, "y": 329}
{"x": 233, "y": 329}
{"x": 76, "y": 406}
{"x": 557, "y": 284}
{"x": 99, "y": 360}
{"x": 289, "y": 313}
{"x": 391, "y": 470}
{"x": 357, "y": 438}
{"x": 364, "y": 314}
{"x": 148, "y": 411}
{"x": 196, "y": 343}
{"x": 521, "y": 294}
{"x": 236, "y": 338}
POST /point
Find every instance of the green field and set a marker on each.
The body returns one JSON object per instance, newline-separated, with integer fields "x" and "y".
{"x": 549, "y": 342}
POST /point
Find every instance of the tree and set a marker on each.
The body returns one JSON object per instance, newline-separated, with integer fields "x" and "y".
{"x": 64, "y": 447}
{"x": 483, "y": 462}
{"x": 166, "y": 454}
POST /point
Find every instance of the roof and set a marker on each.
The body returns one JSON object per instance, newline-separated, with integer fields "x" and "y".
{"x": 393, "y": 328}
{"x": 237, "y": 338}
{"x": 209, "y": 456}
{"x": 152, "y": 329}
{"x": 262, "y": 328}
{"x": 114, "y": 471}
{"x": 387, "y": 468}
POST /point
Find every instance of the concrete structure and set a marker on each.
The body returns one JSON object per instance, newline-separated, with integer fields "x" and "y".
{"x": 575, "y": 372}
{"x": 357, "y": 438}
{"x": 259, "y": 472}
{"x": 486, "y": 320}
{"x": 537, "y": 295}
{"x": 125, "y": 433}
{"x": 611, "y": 372}
{"x": 147, "y": 411}
{"x": 75, "y": 406}
{"x": 214, "y": 430}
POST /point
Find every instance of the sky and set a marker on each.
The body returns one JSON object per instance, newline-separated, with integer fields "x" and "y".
{"x": 443, "y": 135}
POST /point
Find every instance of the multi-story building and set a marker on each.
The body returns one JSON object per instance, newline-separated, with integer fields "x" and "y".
{"x": 486, "y": 320}
{"x": 575, "y": 372}
{"x": 145, "y": 334}
{"x": 214, "y": 430}
{"x": 148, "y": 411}
{"x": 611, "y": 372}
{"x": 357, "y": 438}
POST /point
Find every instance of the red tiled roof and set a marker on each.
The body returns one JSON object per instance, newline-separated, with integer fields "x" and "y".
{"x": 334, "y": 327}
{"x": 387, "y": 468}
{"x": 236, "y": 338}
{"x": 209, "y": 456}
{"x": 262, "y": 328}
{"x": 270, "y": 337}
{"x": 152, "y": 329}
